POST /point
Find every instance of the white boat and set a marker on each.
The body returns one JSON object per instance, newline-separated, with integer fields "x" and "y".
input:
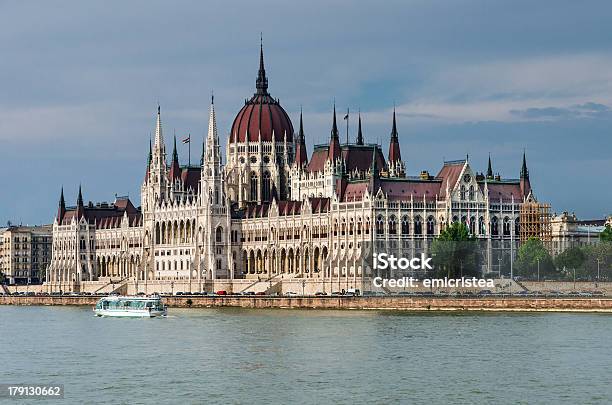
{"x": 131, "y": 307}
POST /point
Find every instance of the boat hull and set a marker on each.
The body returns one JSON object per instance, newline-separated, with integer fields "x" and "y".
{"x": 133, "y": 313}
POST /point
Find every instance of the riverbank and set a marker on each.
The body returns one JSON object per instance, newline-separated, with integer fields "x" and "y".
{"x": 397, "y": 303}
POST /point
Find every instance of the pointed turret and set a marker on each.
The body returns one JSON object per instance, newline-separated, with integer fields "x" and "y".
{"x": 175, "y": 169}
{"x": 262, "y": 81}
{"x": 395, "y": 164}
{"x": 301, "y": 155}
{"x": 489, "y": 169}
{"x": 359, "y": 133}
{"x": 149, "y": 159}
{"x": 525, "y": 184}
{"x": 524, "y": 171}
{"x": 159, "y": 136}
{"x": 61, "y": 210}
{"x": 150, "y": 153}
{"x": 211, "y": 157}
{"x": 394, "y": 147}
{"x": 334, "y": 143}
{"x": 80, "y": 210}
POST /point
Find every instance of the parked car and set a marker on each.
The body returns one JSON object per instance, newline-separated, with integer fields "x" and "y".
{"x": 320, "y": 293}
{"x": 221, "y": 292}
{"x": 260, "y": 293}
{"x": 485, "y": 292}
{"x": 336, "y": 293}
{"x": 291, "y": 294}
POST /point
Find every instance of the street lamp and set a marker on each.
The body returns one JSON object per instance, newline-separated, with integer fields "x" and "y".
{"x": 538, "y": 260}
{"x": 598, "y": 260}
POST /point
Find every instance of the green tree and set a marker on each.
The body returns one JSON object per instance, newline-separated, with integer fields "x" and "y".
{"x": 569, "y": 260}
{"x": 455, "y": 252}
{"x": 606, "y": 235}
{"x": 598, "y": 261}
{"x": 531, "y": 254}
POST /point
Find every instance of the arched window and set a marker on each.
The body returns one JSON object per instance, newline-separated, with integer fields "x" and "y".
{"x": 517, "y": 228}
{"x": 380, "y": 225}
{"x": 266, "y": 186}
{"x": 219, "y": 235}
{"x": 405, "y": 225}
{"x": 253, "y": 186}
{"x": 473, "y": 225}
{"x": 392, "y": 225}
{"x": 462, "y": 192}
{"x": 481, "y": 226}
{"x": 471, "y": 192}
{"x": 506, "y": 226}
{"x": 494, "y": 226}
{"x": 418, "y": 226}
{"x": 430, "y": 225}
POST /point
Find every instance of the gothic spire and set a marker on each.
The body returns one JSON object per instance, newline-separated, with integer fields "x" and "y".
{"x": 61, "y": 210}
{"x": 79, "y": 198}
{"x": 175, "y": 169}
{"x": 211, "y": 155}
{"x": 394, "y": 146}
{"x": 262, "y": 81}
{"x": 159, "y": 137}
{"x": 524, "y": 171}
{"x": 80, "y": 210}
{"x": 150, "y": 153}
{"x": 334, "y": 143}
{"x": 359, "y": 133}
{"x": 301, "y": 156}
{"x": 489, "y": 169}
{"x": 524, "y": 181}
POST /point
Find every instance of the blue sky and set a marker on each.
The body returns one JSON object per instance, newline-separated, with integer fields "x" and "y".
{"x": 80, "y": 84}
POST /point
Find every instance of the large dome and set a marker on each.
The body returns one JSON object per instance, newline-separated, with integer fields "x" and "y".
{"x": 261, "y": 115}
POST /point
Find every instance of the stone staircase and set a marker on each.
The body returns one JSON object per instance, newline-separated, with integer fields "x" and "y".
{"x": 116, "y": 286}
{"x": 268, "y": 286}
{"x": 5, "y": 289}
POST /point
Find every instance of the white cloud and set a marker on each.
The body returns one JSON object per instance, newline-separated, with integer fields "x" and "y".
{"x": 498, "y": 90}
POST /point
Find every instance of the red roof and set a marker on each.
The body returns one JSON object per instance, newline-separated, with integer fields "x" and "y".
{"x": 191, "y": 177}
{"x": 405, "y": 188}
{"x": 356, "y": 157}
{"x": 107, "y": 215}
{"x": 262, "y": 114}
{"x": 449, "y": 174}
{"x": 504, "y": 190}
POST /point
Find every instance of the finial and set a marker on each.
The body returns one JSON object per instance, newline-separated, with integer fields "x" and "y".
{"x": 212, "y": 97}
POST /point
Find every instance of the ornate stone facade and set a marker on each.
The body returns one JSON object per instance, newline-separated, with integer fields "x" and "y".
{"x": 271, "y": 212}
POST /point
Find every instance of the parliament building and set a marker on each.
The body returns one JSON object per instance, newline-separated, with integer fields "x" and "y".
{"x": 269, "y": 210}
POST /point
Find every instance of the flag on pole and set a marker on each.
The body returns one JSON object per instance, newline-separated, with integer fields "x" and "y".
{"x": 188, "y": 139}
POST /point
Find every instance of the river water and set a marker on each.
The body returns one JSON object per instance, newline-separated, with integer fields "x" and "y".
{"x": 247, "y": 356}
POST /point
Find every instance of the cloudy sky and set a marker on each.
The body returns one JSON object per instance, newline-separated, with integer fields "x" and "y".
{"x": 80, "y": 83}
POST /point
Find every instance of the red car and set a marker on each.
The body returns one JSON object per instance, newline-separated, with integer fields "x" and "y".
{"x": 221, "y": 292}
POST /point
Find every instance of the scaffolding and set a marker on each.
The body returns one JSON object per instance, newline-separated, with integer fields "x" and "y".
{"x": 535, "y": 222}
